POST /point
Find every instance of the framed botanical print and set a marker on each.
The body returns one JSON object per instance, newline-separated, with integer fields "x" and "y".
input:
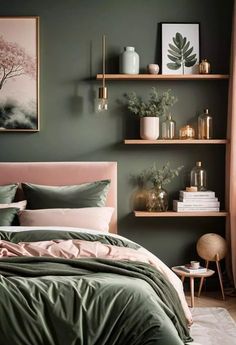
{"x": 180, "y": 48}
{"x": 19, "y": 74}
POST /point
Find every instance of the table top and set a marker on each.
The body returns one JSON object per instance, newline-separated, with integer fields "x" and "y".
{"x": 183, "y": 273}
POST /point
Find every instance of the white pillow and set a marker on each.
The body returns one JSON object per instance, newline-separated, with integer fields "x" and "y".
{"x": 21, "y": 205}
{"x": 97, "y": 218}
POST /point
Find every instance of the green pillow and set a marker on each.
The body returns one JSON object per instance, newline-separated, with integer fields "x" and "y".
{"x": 7, "y": 193}
{"x": 7, "y": 216}
{"x": 75, "y": 196}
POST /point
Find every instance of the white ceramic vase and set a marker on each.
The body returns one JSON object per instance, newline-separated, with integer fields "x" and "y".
{"x": 149, "y": 128}
{"x": 129, "y": 61}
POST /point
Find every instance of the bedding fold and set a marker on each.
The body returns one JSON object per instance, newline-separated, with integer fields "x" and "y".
{"x": 76, "y": 287}
{"x": 42, "y": 266}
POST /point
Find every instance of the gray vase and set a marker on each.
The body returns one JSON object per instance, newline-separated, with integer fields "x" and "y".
{"x": 129, "y": 61}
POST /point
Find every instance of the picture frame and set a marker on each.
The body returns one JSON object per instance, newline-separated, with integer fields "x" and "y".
{"x": 180, "y": 48}
{"x": 19, "y": 74}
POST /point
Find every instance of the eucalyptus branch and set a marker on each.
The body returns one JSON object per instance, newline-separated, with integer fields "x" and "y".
{"x": 156, "y": 105}
{"x": 157, "y": 176}
{"x": 164, "y": 175}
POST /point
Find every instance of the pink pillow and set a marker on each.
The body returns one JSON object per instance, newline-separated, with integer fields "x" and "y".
{"x": 21, "y": 205}
{"x": 95, "y": 218}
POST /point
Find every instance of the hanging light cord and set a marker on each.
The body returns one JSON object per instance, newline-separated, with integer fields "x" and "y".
{"x": 103, "y": 59}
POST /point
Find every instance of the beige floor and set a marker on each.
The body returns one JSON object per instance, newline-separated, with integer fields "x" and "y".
{"x": 214, "y": 299}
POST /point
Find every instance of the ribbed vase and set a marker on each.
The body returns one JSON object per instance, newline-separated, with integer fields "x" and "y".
{"x": 129, "y": 61}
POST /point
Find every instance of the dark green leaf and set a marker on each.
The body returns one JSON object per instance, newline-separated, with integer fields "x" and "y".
{"x": 174, "y": 53}
{"x": 190, "y": 63}
{"x": 184, "y": 42}
{"x": 179, "y": 39}
{"x": 176, "y": 42}
{"x": 173, "y": 58}
{"x": 177, "y": 50}
{"x": 188, "y": 52}
{"x": 186, "y": 47}
{"x": 190, "y": 57}
{"x": 173, "y": 66}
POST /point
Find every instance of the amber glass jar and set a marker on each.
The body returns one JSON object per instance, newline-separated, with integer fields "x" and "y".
{"x": 205, "y": 125}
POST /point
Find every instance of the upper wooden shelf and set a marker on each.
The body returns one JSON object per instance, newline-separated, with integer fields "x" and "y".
{"x": 179, "y": 214}
{"x": 163, "y": 76}
{"x": 174, "y": 141}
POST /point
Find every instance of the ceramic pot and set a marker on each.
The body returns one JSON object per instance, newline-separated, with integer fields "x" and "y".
{"x": 149, "y": 128}
{"x": 153, "y": 68}
{"x": 129, "y": 61}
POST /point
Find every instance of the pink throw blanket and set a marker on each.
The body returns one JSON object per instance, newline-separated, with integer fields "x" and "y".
{"x": 71, "y": 249}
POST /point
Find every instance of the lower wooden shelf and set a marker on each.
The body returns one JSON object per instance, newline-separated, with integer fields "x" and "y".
{"x": 180, "y": 214}
{"x": 174, "y": 141}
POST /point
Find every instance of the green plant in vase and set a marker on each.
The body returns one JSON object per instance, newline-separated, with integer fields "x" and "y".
{"x": 159, "y": 177}
{"x": 150, "y": 110}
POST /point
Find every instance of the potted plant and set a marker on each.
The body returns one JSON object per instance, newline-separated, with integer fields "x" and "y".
{"x": 150, "y": 110}
{"x": 159, "y": 177}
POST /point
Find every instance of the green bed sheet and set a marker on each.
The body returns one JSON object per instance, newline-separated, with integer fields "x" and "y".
{"x": 50, "y": 301}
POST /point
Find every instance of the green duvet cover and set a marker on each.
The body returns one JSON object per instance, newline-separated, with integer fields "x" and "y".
{"x": 52, "y": 301}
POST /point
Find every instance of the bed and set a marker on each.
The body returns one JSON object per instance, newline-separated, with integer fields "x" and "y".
{"x": 82, "y": 283}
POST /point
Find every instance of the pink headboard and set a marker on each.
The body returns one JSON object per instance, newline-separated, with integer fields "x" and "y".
{"x": 64, "y": 173}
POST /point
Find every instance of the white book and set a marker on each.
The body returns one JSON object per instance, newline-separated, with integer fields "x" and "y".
{"x": 205, "y": 194}
{"x": 196, "y": 209}
{"x": 196, "y": 200}
{"x": 192, "y": 270}
{"x": 201, "y": 203}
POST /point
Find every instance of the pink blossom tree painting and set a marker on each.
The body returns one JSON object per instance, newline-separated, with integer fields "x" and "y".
{"x": 19, "y": 74}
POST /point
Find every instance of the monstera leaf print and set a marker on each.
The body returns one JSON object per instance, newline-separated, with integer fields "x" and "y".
{"x": 180, "y": 53}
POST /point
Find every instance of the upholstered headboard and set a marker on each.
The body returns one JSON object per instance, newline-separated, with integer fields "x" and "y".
{"x": 64, "y": 173}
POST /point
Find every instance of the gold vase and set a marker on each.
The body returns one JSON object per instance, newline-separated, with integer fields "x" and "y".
{"x": 204, "y": 67}
{"x": 139, "y": 199}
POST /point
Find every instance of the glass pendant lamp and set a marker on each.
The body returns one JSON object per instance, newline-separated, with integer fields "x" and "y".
{"x": 102, "y": 102}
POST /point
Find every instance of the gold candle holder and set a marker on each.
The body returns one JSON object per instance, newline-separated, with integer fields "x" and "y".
{"x": 187, "y": 132}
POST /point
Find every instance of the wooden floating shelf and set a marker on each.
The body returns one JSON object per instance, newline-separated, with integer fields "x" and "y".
{"x": 180, "y": 214}
{"x": 174, "y": 141}
{"x": 162, "y": 76}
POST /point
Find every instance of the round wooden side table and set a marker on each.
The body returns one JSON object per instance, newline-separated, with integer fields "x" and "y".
{"x": 192, "y": 276}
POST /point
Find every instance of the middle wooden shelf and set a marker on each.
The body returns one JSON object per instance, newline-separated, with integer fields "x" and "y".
{"x": 180, "y": 214}
{"x": 174, "y": 141}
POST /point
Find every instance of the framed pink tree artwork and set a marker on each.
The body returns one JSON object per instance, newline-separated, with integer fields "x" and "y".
{"x": 19, "y": 74}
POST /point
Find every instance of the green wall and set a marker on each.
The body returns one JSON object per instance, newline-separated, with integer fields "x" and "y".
{"x": 70, "y": 54}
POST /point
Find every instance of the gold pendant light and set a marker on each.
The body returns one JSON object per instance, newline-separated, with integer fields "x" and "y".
{"x": 102, "y": 104}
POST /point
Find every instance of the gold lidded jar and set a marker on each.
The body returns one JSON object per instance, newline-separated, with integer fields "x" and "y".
{"x": 204, "y": 67}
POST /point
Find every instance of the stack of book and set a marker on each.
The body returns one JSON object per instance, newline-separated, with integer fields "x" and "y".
{"x": 196, "y": 202}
